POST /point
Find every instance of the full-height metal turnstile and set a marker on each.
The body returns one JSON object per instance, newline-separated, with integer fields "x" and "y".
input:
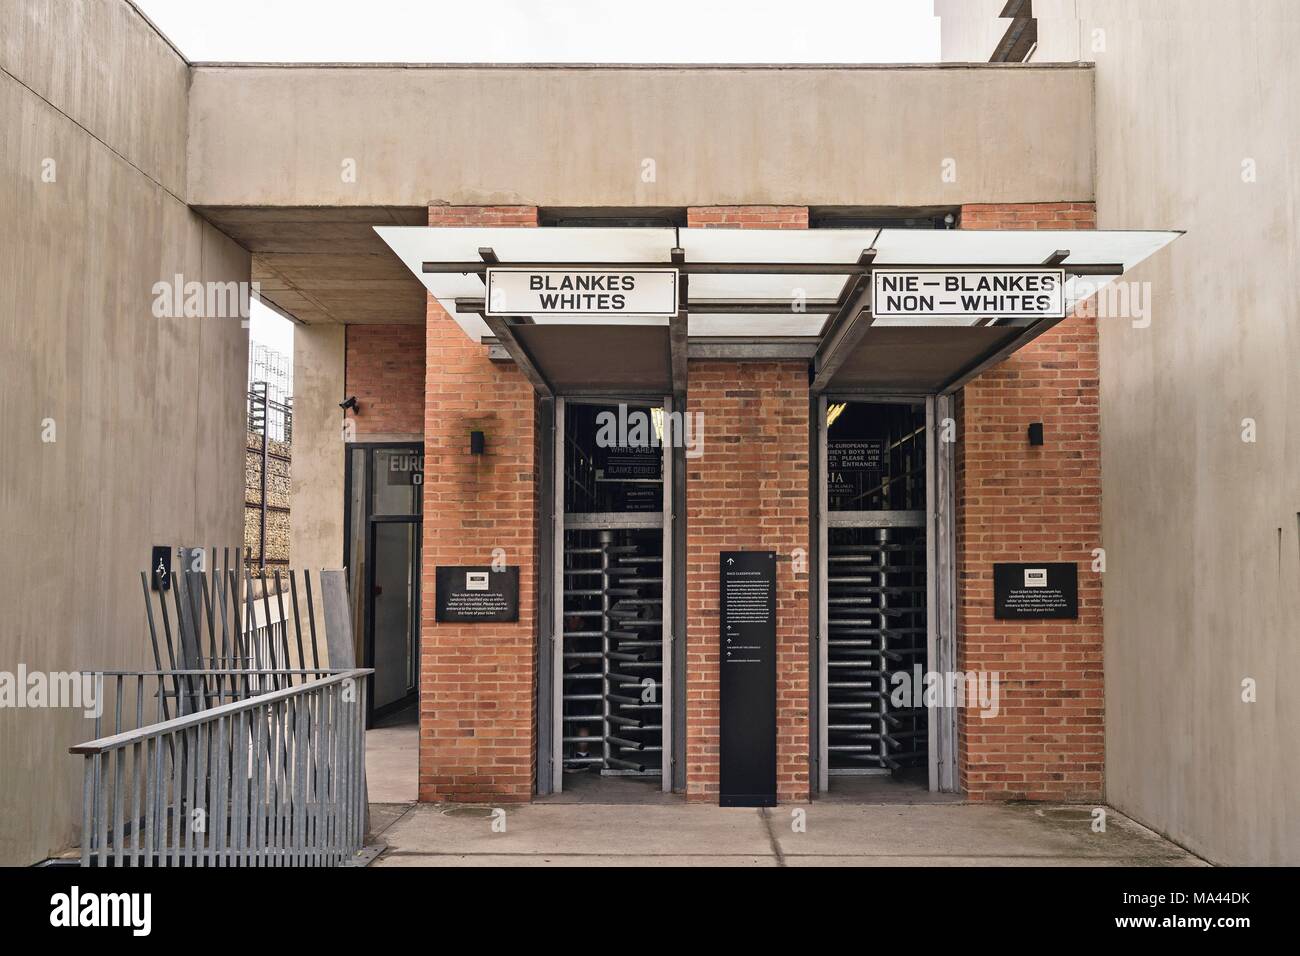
{"x": 884, "y": 539}
{"x": 612, "y": 649}
{"x": 875, "y": 630}
{"x": 612, "y": 698}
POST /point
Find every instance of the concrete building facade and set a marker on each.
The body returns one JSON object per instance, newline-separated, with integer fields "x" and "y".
{"x": 124, "y": 429}
{"x": 1199, "y": 513}
{"x": 309, "y": 180}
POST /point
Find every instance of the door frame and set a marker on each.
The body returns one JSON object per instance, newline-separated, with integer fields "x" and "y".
{"x": 364, "y": 643}
{"x": 941, "y": 581}
{"x": 412, "y": 693}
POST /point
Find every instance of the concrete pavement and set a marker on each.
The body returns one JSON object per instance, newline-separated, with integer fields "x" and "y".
{"x": 392, "y": 762}
{"x": 681, "y": 834}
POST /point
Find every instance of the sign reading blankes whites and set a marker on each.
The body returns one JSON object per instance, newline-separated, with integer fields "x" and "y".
{"x": 1048, "y": 591}
{"x": 476, "y": 595}
{"x": 607, "y": 293}
{"x": 907, "y": 293}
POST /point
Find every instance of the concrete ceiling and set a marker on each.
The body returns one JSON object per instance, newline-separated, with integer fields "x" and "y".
{"x": 325, "y": 263}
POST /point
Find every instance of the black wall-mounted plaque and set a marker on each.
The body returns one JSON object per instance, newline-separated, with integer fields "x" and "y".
{"x": 1047, "y": 590}
{"x": 747, "y": 662}
{"x": 160, "y": 568}
{"x": 476, "y": 595}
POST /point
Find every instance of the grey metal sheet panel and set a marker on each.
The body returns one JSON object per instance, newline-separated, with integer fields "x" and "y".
{"x": 338, "y": 618}
{"x": 598, "y": 357}
{"x": 917, "y": 358}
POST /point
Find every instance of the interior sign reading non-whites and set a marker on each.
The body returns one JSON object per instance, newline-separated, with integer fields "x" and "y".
{"x": 968, "y": 293}
{"x": 604, "y": 292}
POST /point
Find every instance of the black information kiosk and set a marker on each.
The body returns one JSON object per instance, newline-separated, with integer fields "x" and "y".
{"x": 747, "y": 665}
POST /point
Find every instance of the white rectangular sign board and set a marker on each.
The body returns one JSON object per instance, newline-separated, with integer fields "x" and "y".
{"x": 605, "y": 292}
{"x": 973, "y": 293}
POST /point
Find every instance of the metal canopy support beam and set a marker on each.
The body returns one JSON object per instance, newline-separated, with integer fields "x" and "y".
{"x": 476, "y": 306}
{"x": 691, "y": 268}
{"x": 547, "y": 597}
{"x": 846, "y": 327}
{"x": 555, "y": 714}
{"x": 1015, "y": 345}
{"x": 941, "y": 586}
{"x": 678, "y": 329}
{"x": 761, "y": 307}
{"x": 507, "y": 339}
{"x": 821, "y": 651}
{"x": 669, "y": 635}
{"x": 734, "y": 348}
{"x": 763, "y": 268}
{"x": 1057, "y": 258}
{"x": 752, "y": 348}
{"x": 678, "y": 518}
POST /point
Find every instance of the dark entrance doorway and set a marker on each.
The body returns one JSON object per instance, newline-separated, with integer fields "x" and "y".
{"x": 384, "y": 493}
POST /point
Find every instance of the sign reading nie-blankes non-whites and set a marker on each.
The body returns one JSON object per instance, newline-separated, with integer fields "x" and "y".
{"x": 968, "y": 293}
{"x": 603, "y": 292}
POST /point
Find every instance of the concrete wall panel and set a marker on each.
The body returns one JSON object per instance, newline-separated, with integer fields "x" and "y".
{"x": 107, "y": 69}
{"x": 580, "y": 137}
{"x": 147, "y": 412}
{"x": 316, "y": 479}
{"x": 1201, "y": 528}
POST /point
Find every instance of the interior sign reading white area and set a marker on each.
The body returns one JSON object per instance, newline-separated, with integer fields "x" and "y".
{"x": 603, "y": 292}
{"x": 968, "y": 293}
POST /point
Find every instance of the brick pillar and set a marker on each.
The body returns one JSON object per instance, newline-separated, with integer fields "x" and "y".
{"x": 477, "y": 693}
{"x": 1021, "y": 503}
{"x": 748, "y": 491}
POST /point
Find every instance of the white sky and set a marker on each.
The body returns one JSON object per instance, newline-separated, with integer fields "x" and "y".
{"x": 269, "y": 328}
{"x": 551, "y": 31}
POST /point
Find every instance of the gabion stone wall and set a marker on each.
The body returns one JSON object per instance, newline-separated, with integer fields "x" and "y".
{"x": 277, "y": 500}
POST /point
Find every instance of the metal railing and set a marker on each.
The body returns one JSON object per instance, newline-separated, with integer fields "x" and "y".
{"x": 248, "y": 778}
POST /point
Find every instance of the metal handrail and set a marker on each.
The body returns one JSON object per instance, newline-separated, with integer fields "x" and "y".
{"x": 274, "y": 779}
{"x": 125, "y": 738}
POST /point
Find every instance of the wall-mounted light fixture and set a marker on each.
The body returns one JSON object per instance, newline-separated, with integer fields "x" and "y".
{"x": 1035, "y": 433}
{"x": 476, "y": 443}
{"x": 350, "y": 402}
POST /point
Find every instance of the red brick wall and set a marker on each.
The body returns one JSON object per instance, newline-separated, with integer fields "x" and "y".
{"x": 1020, "y": 503}
{"x": 748, "y": 217}
{"x": 482, "y": 215}
{"x": 384, "y": 369}
{"x": 749, "y": 491}
{"x": 1029, "y": 215}
{"x": 477, "y": 726}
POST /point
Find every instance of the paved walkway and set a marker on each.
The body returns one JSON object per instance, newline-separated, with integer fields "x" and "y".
{"x": 392, "y": 762}
{"x": 946, "y": 834}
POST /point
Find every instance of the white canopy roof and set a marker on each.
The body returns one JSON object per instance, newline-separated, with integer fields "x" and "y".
{"x": 807, "y": 293}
